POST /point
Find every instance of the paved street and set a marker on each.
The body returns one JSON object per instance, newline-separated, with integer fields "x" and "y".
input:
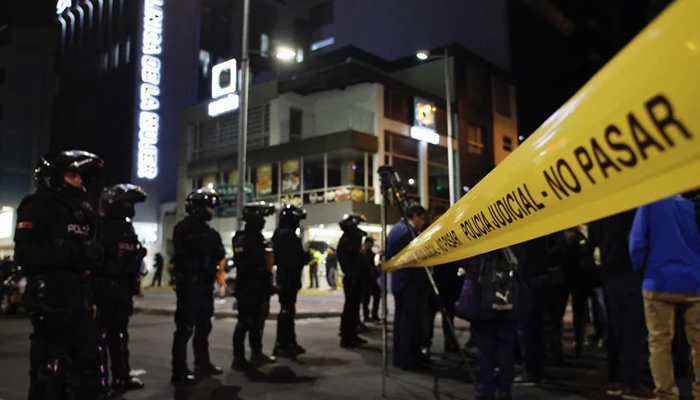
{"x": 326, "y": 372}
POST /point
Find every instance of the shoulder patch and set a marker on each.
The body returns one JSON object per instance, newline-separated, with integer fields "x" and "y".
{"x": 25, "y": 225}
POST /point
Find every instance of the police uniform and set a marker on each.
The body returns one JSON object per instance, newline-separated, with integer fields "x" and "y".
{"x": 290, "y": 258}
{"x": 198, "y": 250}
{"x": 53, "y": 243}
{"x": 253, "y": 286}
{"x": 116, "y": 282}
{"x": 351, "y": 262}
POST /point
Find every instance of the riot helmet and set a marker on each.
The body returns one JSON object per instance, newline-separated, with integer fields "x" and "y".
{"x": 67, "y": 172}
{"x": 118, "y": 200}
{"x": 351, "y": 222}
{"x": 254, "y": 215}
{"x": 290, "y": 216}
{"x": 199, "y": 203}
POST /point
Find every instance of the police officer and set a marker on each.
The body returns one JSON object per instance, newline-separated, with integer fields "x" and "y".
{"x": 253, "y": 285}
{"x": 290, "y": 258}
{"x": 54, "y": 242}
{"x": 198, "y": 250}
{"x": 116, "y": 282}
{"x": 351, "y": 261}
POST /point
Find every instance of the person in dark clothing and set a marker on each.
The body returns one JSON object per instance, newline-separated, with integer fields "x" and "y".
{"x": 290, "y": 258}
{"x": 350, "y": 259}
{"x": 253, "y": 286}
{"x": 410, "y": 287}
{"x": 625, "y": 305}
{"x": 198, "y": 250}
{"x": 54, "y": 244}
{"x": 370, "y": 287}
{"x": 331, "y": 267}
{"x": 159, "y": 263}
{"x": 574, "y": 255}
{"x": 115, "y": 283}
{"x": 487, "y": 302}
{"x": 535, "y": 280}
{"x": 449, "y": 283}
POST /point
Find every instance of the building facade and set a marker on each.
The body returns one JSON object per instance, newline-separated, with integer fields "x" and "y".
{"x": 317, "y": 138}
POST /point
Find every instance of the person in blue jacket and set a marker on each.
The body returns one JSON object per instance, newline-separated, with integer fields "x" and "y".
{"x": 665, "y": 243}
{"x": 410, "y": 287}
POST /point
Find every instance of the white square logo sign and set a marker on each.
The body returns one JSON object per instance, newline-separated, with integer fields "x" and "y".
{"x": 223, "y": 80}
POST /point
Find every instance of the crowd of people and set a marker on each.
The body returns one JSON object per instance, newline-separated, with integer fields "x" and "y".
{"x": 635, "y": 276}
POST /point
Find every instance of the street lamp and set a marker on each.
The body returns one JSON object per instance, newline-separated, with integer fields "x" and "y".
{"x": 424, "y": 55}
{"x": 283, "y": 53}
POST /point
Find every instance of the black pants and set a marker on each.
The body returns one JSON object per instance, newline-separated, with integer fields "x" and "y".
{"x": 252, "y": 311}
{"x": 351, "y": 310}
{"x": 408, "y": 325}
{"x": 430, "y": 310}
{"x": 330, "y": 277}
{"x": 286, "y": 335}
{"x": 559, "y": 297}
{"x": 627, "y": 329}
{"x": 531, "y": 329}
{"x": 157, "y": 277}
{"x": 195, "y": 308}
{"x": 313, "y": 276}
{"x": 114, "y": 308}
{"x": 495, "y": 348}
{"x": 63, "y": 355}
{"x": 373, "y": 292}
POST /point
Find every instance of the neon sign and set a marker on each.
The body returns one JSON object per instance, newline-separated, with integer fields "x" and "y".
{"x": 149, "y": 93}
{"x": 62, "y": 5}
{"x": 223, "y": 88}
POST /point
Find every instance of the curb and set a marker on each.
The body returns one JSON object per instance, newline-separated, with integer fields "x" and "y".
{"x": 231, "y": 314}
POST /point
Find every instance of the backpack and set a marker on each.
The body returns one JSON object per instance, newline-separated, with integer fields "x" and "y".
{"x": 498, "y": 283}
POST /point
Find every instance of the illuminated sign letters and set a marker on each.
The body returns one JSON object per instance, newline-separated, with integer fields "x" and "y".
{"x": 149, "y": 93}
{"x": 424, "y": 122}
{"x": 223, "y": 88}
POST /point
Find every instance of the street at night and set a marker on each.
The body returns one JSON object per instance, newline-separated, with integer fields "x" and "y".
{"x": 326, "y": 372}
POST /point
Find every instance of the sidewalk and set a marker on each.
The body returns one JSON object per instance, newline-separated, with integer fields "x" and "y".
{"x": 310, "y": 304}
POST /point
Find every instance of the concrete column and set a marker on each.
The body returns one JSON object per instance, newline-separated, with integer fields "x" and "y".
{"x": 378, "y": 157}
{"x": 423, "y": 179}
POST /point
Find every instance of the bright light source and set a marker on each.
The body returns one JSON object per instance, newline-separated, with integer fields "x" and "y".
{"x": 411, "y": 181}
{"x": 425, "y": 135}
{"x": 521, "y": 137}
{"x": 210, "y": 186}
{"x": 223, "y": 105}
{"x": 322, "y": 43}
{"x": 321, "y": 226}
{"x": 285, "y": 53}
{"x": 422, "y": 55}
{"x": 465, "y": 188}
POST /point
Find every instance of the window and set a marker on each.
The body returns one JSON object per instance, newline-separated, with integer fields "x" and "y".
{"x": 501, "y": 97}
{"x": 396, "y": 106}
{"x": 408, "y": 171}
{"x": 313, "y": 172}
{"x": 507, "y": 143}
{"x": 439, "y": 184}
{"x": 295, "y": 124}
{"x": 321, "y": 15}
{"x": 265, "y": 179}
{"x": 475, "y": 78}
{"x": 475, "y": 139}
{"x": 322, "y": 43}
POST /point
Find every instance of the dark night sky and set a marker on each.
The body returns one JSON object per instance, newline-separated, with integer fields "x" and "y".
{"x": 549, "y": 66}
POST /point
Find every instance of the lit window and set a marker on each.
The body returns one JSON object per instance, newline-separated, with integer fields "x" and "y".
{"x": 322, "y": 43}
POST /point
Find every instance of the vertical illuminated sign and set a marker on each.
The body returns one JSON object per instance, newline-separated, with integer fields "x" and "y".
{"x": 149, "y": 91}
{"x": 424, "y": 122}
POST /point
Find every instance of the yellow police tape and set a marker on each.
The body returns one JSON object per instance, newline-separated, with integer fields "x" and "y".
{"x": 630, "y": 136}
